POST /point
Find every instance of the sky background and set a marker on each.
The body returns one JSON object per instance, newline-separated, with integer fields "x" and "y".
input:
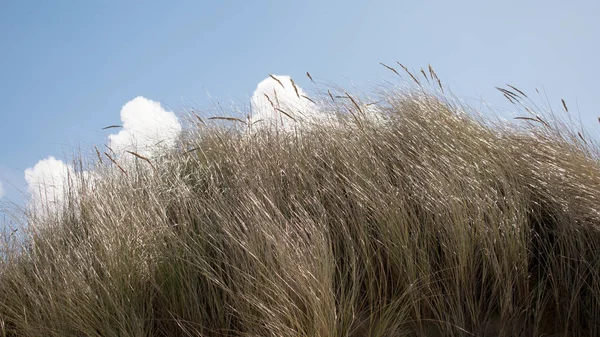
{"x": 68, "y": 67}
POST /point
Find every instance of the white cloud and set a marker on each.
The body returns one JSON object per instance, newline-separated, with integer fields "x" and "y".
{"x": 147, "y": 127}
{"x": 46, "y": 183}
{"x": 49, "y": 180}
{"x": 281, "y": 93}
{"x": 1, "y": 190}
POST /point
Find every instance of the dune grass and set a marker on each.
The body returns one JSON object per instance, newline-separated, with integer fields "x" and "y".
{"x": 433, "y": 222}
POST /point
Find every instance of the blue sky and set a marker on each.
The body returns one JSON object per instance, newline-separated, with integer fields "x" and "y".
{"x": 68, "y": 67}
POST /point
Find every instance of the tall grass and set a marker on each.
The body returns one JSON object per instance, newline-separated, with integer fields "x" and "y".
{"x": 433, "y": 222}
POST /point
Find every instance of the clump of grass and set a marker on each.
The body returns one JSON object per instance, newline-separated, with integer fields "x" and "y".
{"x": 433, "y": 223}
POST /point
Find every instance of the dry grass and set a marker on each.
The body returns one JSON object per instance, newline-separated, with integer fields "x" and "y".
{"x": 433, "y": 223}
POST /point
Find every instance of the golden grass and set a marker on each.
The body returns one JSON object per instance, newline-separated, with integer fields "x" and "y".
{"x": 434, "y": 223}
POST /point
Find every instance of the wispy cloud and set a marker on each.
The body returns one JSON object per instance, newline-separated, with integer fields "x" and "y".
{"x": 146, "y": 128}
{"x": 1, "y": 190}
